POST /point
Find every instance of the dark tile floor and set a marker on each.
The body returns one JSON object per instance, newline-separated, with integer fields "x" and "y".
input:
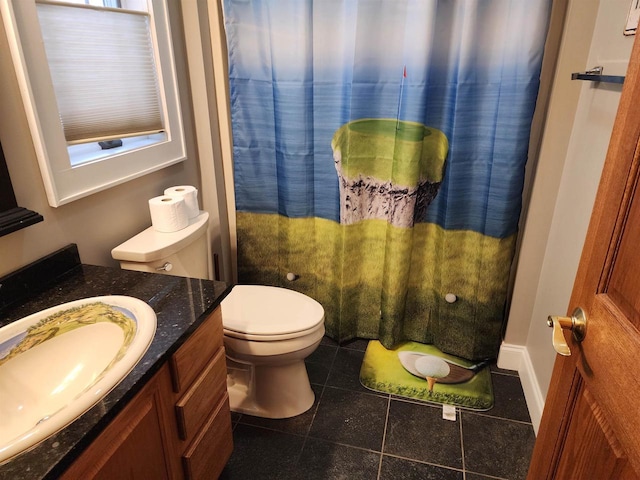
{"x": 354, "y": 433}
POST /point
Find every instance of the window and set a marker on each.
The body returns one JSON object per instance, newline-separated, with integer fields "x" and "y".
{"x": 92, "y": 73}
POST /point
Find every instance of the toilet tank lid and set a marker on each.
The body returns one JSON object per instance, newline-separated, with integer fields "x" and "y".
{"x": 150, "y": 245}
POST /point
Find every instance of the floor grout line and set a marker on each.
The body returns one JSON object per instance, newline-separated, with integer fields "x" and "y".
{"x": 330, "y": 363}
{"x": 464, "y": 466}
{"x": 304, "y": 443}
{"x": 481, "y": 414}
{"x": 432, "y": 464}
{"x": 384, "y": 436}
{"x": 370, "y": 392}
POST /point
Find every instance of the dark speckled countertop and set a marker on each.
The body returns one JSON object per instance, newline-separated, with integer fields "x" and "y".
{"x": 181, "y": 304}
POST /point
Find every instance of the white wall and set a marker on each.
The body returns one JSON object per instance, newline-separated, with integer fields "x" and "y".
{"x": 574, "y": 144}
{"x": 206, "y": 55}
{"x": 96, "y": 223}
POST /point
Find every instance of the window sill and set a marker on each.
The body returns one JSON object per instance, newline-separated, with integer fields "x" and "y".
{"x": 16, "y": 219}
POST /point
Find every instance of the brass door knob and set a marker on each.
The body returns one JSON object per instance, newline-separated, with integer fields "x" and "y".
{"x": 577, "y": 323}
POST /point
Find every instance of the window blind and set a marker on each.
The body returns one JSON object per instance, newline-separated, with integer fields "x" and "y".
{"x": 103, "y": 71}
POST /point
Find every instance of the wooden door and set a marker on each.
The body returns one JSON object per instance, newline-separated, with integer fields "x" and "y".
{"x": 591, "y": 422}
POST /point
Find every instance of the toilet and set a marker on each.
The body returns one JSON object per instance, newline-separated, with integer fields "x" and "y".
{"x": 268, "y": 331}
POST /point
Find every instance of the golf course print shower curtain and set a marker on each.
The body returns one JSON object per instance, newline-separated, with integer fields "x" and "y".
{"x": 379, "y": 151}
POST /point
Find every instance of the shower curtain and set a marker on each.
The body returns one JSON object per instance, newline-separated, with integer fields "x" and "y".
{"x": 379, "y": 152}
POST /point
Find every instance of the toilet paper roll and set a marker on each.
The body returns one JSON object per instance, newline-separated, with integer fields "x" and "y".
{"x": 168, "y": 214}
{"x": 190, "y": 196}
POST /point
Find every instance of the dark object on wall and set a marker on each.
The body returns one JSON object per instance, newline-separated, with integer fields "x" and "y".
{"x": 595, "y": 75}
{"x": 12, "y": 217}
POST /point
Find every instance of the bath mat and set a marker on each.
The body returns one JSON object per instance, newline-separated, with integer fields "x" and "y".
{"x": 423, "y": 372}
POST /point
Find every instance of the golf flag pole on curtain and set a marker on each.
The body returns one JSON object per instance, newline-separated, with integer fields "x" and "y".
{"x": 404, "y": 75}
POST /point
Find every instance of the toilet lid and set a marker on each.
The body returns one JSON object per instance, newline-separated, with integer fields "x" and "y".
{"x": 263, "y": 310}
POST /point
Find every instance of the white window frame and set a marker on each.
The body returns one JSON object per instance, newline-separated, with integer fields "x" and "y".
{"x": 63, "y": 181}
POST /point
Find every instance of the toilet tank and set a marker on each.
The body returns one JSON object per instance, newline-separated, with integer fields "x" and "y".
{"x": 184, "y": 253}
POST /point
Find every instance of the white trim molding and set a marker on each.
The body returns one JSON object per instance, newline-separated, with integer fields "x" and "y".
{"x": 516, "y": 357}
{"x": 65, "y": 180}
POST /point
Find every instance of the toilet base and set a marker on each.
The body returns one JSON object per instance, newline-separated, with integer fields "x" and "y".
{"x": 269, "y": 391}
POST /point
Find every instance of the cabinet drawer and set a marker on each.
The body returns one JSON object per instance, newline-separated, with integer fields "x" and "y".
{"x": 193, "y": 356}
{"x": 204, "y": 394}
{"x": 210, "y": 450}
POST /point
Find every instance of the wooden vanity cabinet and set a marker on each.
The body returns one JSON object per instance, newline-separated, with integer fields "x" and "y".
{"x": 202, "y": 437}
{"x": 178, "y": 426}
{"x": 133, "y": 444}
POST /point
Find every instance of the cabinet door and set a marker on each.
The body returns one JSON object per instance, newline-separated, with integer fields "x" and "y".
{"x": 133, "y": 445}
{"x": 138, "y": 450}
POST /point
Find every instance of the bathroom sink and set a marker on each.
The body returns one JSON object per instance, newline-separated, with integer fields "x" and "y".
{"x": 56, "y": 364}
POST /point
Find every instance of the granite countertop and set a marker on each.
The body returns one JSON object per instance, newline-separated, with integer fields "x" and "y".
{"x": 181, "y": 304}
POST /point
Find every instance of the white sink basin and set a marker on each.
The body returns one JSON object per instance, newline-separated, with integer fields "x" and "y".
{"x": 56, "y": 364}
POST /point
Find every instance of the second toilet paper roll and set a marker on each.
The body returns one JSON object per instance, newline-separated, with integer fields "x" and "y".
{"x": 168, "y": 214}
{"x": 190, "y": 196}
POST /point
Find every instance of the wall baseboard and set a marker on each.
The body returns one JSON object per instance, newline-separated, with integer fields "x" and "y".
{"x": 516, "y": 357}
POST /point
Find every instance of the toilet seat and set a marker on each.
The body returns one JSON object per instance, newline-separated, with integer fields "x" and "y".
{"x": 264, "y": 313}
{"x": 272, "y": 338}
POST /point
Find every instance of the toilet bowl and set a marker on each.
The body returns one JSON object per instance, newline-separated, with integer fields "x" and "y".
{"x": 268, "y": 333}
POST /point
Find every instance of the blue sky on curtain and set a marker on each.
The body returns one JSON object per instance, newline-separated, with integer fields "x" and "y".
{"x": 463, "y": 72}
